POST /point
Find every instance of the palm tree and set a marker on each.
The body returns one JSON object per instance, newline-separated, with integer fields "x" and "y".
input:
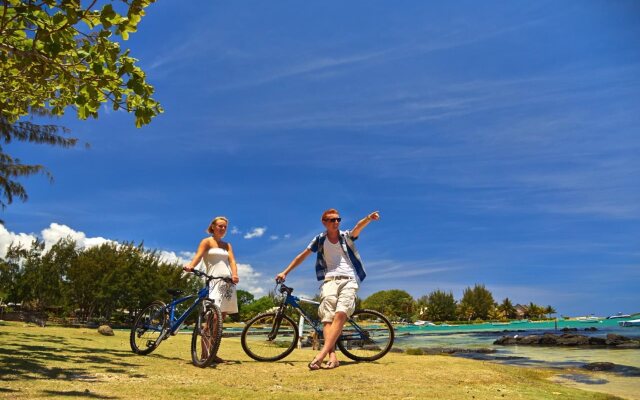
{"x": 507, "y": 309}
{"x": 549, "y": 310}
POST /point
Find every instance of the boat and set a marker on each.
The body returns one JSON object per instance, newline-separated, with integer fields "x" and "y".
{"x": 629, "y": 323}
{"x": 423, "y": 323}
{"x": 619, "y": 315}
{"x": 589, "y": 320}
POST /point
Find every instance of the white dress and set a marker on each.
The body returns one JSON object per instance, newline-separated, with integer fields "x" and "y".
{"x": 216, "y": 263}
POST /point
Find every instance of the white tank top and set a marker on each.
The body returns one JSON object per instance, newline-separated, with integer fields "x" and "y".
{"x": 337, "y": 263}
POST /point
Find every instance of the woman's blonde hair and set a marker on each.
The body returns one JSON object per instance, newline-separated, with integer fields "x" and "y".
{"x": 213, "y": 222}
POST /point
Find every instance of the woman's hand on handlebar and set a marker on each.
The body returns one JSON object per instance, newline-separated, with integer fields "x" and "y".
{"x": 188, "y": 268}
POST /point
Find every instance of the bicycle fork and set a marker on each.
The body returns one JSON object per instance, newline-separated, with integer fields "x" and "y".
{"x": 276, "y": 326}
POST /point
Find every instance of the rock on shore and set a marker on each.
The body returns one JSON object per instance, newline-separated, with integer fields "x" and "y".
{"x": 569, "y": 339}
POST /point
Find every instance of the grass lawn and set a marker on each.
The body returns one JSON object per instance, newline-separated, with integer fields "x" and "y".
{"x": 65, "y": 363}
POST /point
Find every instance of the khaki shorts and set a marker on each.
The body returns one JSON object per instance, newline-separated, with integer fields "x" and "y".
{"x": 337, "y": 295}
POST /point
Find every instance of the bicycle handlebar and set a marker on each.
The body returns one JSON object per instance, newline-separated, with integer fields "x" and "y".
{"x": 209, "y": 277}
{"x": 283, "y": 288}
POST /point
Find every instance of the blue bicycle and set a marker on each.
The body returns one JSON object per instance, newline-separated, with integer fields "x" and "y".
{"x": 367, "y": 335}
{"x": 159, "y": 321}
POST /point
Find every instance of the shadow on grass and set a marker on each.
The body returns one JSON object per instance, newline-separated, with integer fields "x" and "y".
{"x": 27, "y": 362}
{"x": 75, "y": 393}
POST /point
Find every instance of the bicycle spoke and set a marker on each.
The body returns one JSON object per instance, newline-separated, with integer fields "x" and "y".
{"x": 148, "y": 328}
{"x": 260, "y": 341}
{"x": 367, "y": 336}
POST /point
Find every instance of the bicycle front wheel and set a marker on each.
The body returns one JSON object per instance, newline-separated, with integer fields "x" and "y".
{"x": 267, "y": 337}
{"x": 207, "y": 333}
{"x": 367, "y": 336}
{"x": 149, "y": 328}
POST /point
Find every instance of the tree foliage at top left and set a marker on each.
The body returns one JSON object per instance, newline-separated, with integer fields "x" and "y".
{"x": 59, "y": 54}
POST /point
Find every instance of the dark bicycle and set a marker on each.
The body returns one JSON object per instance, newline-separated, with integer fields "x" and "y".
{"x": 158, "y": 321}
{"x": 367, "y": 335}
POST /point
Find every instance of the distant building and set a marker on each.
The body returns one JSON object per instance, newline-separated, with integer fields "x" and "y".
{"x": 521, "y": 311}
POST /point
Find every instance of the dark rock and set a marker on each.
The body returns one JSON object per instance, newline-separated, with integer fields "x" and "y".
{"x": 105, "y": 330}
{"x": 396, "y": 350}
{"x": 599, "y": 366}
{"x": 568, "y": 339}
{"x": 505, "y": 341}
{"x": 591, "y": 329}
{"x": 569, "y": 329}
{"x": 616, "y": 340}
{"x": 548, "y": 339}
{"x": 531, "y": 339}
{"x": 596, "y": 341}
{"x": 484, "y": 350}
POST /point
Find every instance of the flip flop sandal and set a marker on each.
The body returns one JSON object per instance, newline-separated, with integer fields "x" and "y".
{"x": 314, "y": 365}
{"x": 332, "y": 364}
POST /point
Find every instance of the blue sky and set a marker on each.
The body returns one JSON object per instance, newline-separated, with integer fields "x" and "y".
{"x": 499, "y": 140}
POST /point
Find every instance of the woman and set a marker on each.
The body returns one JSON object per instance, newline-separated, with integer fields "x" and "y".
{"x": 218, "y": 260}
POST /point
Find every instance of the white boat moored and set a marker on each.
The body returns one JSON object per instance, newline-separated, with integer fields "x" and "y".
{"x": 631, "y": 322}
{"x": 619, "y": 315}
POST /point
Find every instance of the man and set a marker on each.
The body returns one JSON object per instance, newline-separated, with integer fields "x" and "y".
{"x": 340, "y": 268}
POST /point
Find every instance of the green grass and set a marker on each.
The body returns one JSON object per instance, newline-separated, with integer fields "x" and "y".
{"x": 66, "y": 363}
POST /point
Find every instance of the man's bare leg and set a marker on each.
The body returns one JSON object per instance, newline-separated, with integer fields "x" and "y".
{"x": 332, "y": 331}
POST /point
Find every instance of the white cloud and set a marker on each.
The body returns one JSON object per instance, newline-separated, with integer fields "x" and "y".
{"x": 255, "y": 232}
{"x": 6, "y": 238}
{"x": 235, "y": 230}
{"x": 250, "y": 280}
{"x": 273, "y": 237}
{"x": 50, "y": 236}
{"x": 171, "y": 257}
{"x": 55, "y": 232}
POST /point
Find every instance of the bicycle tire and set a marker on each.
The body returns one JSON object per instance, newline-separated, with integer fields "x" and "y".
{"x": 149, "y": 328}
{"x": 367, "y": 336}
{"x": 256, "y": 343}
{"x": 207, "y": 333}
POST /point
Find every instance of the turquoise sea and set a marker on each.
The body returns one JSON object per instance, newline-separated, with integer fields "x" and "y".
{"x": 624, "y": 381}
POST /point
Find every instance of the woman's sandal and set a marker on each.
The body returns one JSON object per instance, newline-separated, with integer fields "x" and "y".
{"x": 332, "y": 364}
{"x": 314, "y": 365}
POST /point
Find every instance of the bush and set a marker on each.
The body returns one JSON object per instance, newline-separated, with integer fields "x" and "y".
{"x": 414, "y": 352}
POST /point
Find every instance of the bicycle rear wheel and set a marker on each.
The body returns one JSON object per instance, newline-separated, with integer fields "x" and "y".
{"x": 207, "y": 334}
{"x": 266, "y": 339}
{"x": 149, "y": 328}
{"x": 367, "y": 336}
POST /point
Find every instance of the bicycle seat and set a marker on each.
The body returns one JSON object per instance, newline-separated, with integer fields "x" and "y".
{"x": 175, "y": 292}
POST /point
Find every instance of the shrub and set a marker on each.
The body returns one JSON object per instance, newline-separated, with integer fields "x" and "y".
{"x": 414, "y": 352}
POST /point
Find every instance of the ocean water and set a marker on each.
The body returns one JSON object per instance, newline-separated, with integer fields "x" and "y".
{"x": 483, "y": 335}
{"x": 623, "y": 381}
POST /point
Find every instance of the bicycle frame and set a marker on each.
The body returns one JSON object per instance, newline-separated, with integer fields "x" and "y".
{"x": 293, "y": 301}
{"x": 171, "y": 307}
{"x": 176, "y": 322}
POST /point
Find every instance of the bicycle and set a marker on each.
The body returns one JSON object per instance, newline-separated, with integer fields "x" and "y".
{"x": 367, "y": 335}
{"x": 158, "y": 321}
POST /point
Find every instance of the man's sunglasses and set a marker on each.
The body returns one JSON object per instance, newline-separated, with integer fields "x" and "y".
{"x": 333, "y": 219}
